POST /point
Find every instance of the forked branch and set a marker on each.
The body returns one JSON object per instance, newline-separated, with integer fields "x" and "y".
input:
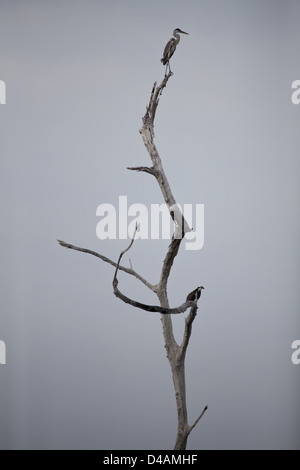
{"x": 149, "y": 308}
{"x": 154, "y": 100}
{"x": 146, "y": 169}
{"x": 130, "y": 271}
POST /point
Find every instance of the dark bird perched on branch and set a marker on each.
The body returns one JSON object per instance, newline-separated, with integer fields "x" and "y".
{"x": 195, "y": 295}
{"x": 170, "y": 48}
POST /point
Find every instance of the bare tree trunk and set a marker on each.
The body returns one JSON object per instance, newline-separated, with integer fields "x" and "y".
{"x": 175, "y": 352}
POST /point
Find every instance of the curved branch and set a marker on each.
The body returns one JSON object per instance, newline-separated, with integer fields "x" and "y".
{"x": 149, "y": 308}
{"x": 146, "y": 169}
{"x": 109, "y": 261}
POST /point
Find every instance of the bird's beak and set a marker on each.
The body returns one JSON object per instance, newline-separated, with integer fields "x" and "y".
{"x": 185, "y": 33}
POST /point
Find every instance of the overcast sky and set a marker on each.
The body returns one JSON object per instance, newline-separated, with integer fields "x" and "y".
{"x": 83, "y": 369}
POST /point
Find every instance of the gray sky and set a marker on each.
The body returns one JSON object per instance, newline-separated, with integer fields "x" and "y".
{"x": 83, "y": 369}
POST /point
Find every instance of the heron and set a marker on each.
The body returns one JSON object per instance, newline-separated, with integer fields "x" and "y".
{"x": 170, "y": 48}
{"x": 195, "y": 294}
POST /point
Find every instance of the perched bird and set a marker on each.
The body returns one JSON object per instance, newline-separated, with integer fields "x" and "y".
{"x": 195, "y": 295}
{"x": 170, "y": 48}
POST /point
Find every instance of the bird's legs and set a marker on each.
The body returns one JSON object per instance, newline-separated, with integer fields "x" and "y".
{"x": 170, "y": 72}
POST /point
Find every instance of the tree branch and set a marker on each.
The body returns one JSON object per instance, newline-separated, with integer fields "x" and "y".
{"x": 197, "y": 420}
{"x": 154, "y": 100}
{"x": 146, "y": 169}
{"x": 130, "y": 271}
{"x": 149, "y": 308}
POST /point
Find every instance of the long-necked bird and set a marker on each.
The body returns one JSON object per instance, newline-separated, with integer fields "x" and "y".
{"x": 195, "y": 294}
{"x": 170, "y": 48}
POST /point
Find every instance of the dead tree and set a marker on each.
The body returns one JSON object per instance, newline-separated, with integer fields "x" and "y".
{"x": 175, "y": 352}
